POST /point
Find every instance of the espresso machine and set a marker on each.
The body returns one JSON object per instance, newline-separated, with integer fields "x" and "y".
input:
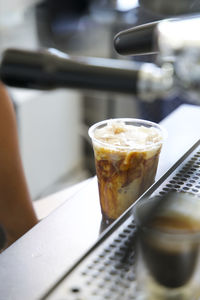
{"x": 107, "y": 270}
{"x": 174, "y": 40}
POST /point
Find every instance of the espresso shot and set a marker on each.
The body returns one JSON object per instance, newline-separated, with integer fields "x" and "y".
{"x": 171, "y": 261}
{"x": 169, "y": 238}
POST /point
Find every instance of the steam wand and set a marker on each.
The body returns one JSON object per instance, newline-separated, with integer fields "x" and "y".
{"x": 51, "y": 69}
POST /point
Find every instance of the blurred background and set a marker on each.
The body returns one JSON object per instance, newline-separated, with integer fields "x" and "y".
{"x": 53, "y": 125}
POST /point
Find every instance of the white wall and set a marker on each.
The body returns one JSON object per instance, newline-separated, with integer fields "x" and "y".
{"x": 48, "y": 124}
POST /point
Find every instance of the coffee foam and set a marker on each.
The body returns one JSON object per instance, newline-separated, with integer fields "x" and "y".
{"x": 189, "y": 209}
{"x": 117, "y": 133}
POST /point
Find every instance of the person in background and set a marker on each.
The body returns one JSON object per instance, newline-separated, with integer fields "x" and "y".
{"x": 17, "y": 214}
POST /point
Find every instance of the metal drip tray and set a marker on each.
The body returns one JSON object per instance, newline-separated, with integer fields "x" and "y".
{"x": 107, "y": 271}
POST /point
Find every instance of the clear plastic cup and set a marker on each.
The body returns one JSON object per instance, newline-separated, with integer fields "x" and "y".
{"x": 125, "y": 167}
{"x": 168, "y": 254}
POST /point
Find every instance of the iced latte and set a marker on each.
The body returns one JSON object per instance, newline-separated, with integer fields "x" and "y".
{"x": 126, "y": 157}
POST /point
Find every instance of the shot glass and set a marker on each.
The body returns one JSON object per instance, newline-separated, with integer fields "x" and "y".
{"x": 168, "y": 231}
{"x": 126, "y": 155}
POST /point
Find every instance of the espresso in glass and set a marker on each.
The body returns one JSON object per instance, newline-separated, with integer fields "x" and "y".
{"x": 169, "y": 236}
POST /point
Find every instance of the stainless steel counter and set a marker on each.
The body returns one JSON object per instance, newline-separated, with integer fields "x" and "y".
{"x": 32, "y": 264}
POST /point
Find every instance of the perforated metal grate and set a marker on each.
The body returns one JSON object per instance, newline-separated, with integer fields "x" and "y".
{"x": 108, "y": 271}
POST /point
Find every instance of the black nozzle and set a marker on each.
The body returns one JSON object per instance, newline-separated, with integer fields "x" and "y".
{"x": 137, "y": 40}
